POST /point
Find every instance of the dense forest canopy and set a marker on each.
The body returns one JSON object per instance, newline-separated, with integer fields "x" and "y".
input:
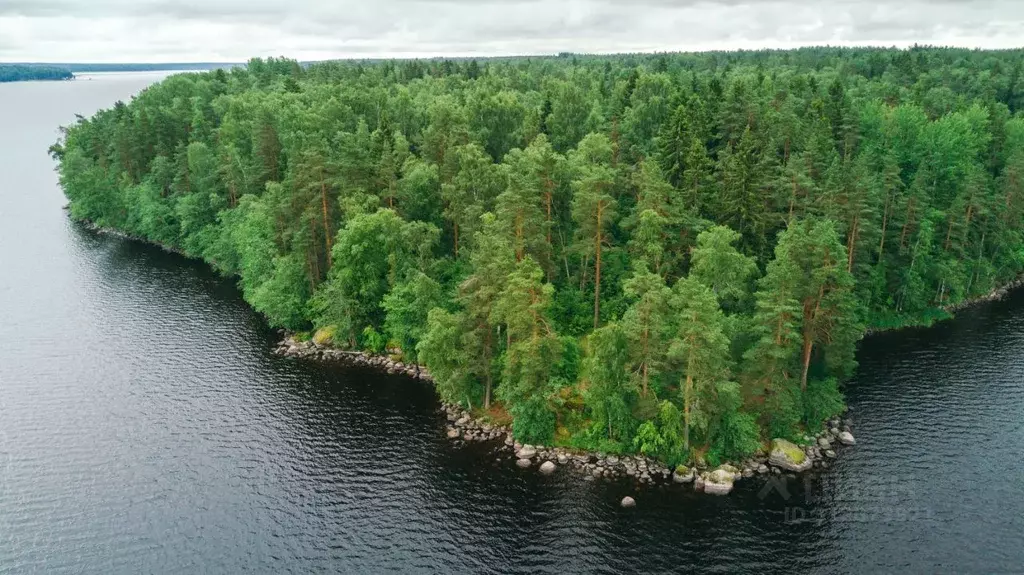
{"x": 669, "y": 253}
{"x": 21, "y": 72}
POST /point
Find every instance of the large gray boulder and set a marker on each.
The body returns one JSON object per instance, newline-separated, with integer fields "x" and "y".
{"x": 719, "y": 482}
{"x": 846, "y": 438}
{"x": 628, "y": 501}
{"x": 789, "y": 456}
{"x": 547, "y": 468}
{"x": 527, "y": 452}
{"x": 524, "y": 463}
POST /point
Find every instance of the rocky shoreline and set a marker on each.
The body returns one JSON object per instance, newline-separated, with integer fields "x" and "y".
{"x": 997, "y": 294}
{"x": 462, "y": 428}
{"x": 93, "y": 227}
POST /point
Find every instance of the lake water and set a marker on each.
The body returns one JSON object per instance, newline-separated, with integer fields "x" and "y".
{"x": 146, "y": 427}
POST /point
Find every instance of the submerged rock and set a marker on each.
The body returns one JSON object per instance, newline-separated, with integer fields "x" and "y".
{"x": 453, "y": 434}
{"x": 524, "y": 463}
{"x": 788, "y": 456}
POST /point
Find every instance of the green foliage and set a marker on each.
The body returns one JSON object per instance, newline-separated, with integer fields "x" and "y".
{"x": 646, "y": 325}
{"x": 407, "y": 307}
{"x": 717, "y": 264}
{"x": 822, "y": 401}
{"x": 782, "y": 412}
{"x": 663, "y": 437}
{"x": 281, "y": 298}
{"x": 488, "y": 219}
{"x": 374, "y": 252}
{"x": 533, "y": 420}
{"x": 535, "y": 351}
{"x": 609, "y": 390}
{"x": 373, "y": 341}
{"x": 700, "y": 351}
{"x": 736, "y": 434}
{"x": 441, "y": 348}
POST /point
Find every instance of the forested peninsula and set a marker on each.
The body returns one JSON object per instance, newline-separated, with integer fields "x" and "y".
{"x": 22, "y": 72}
{"x": 672, "y": 254}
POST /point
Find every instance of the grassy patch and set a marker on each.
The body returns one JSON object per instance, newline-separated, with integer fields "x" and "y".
{"x": 892, "y": 320}
{"x": 496, "y": 415}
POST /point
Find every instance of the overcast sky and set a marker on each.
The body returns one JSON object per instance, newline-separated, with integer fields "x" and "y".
{"x": 234, "y": 30}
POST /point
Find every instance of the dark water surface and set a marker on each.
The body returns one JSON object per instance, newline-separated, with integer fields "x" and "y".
{"x": 145, "y": 427}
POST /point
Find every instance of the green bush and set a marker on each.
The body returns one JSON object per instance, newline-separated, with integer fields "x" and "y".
{"x": 822, "y": 401}
{"x": 739, "y": 435}
{"x": 373, "y": 341}
{"x": 782, "y": 411}
{"x": 533, "y": 421}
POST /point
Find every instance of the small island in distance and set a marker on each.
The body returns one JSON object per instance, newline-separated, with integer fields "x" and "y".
{"x": 24, "y": 72}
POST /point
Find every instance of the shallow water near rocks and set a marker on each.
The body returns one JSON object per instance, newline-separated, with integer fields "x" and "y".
{"x": 147, "y": 427}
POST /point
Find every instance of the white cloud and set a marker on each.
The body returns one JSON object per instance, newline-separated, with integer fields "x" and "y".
{"x": 234, "y": 30}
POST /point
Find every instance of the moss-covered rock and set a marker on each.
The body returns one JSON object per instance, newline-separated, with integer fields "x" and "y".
{"x": 788, "y": 456}
{"x": 682, "y": 474}
{"x": 324, "y": 335}
{"x": 729, "y": 468}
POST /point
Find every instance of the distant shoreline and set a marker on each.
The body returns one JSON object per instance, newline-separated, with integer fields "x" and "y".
{"x": 86, "y": 67}
{"x": 26, "y": 73}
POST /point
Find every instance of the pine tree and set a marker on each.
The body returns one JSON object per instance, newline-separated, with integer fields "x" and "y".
{"x": 699, "y": 349}
{"x": 644, "y": 323}
{"x": 492, "y": 260}
{"x": 718, "y": 265}
{"x": 594, "y": 208}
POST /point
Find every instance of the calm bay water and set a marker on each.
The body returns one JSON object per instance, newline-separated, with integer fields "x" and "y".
{"x": 145, "y": 427}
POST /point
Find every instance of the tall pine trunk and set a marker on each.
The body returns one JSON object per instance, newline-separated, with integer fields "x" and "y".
{"x": 327, "y": 225}
{"x": 852, "y": 243}
{"x": 597, "y": 268}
